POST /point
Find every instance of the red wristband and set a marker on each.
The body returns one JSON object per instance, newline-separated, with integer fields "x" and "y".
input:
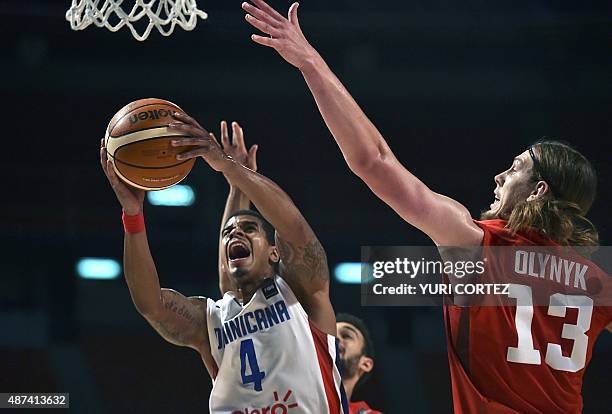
{"x": 133, "y": 224}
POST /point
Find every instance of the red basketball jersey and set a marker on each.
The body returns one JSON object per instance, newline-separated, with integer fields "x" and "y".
{"x": 361, "y": 407}
{"x": 524, "y": 359}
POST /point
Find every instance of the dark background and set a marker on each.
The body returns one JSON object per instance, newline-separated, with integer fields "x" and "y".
{"x": 457, "y": 88}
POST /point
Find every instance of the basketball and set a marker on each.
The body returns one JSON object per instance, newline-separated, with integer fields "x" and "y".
{"x": 138, "y": 144}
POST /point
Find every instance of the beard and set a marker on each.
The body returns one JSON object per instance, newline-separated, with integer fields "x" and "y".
{"x": 504, "y": 211}
{"x": 493, "y": 214}
{"x": 509, "y": 202}
{"x": 349, "y": 366}
{"x": 238, "y": 274}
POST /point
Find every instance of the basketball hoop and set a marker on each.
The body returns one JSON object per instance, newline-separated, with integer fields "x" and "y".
{"x": 162, "y": 14}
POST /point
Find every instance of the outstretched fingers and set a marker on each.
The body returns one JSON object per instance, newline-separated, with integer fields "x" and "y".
{"x": 213, "y": 138}
{"x": 293, "y": 15}
{"x": 238, "y": 137}
{"x": 224, "y": 135}
{"x": 265, "y": 7}
{"x": 266, "y": 41}
{"x": 264, "y": 17}
{"x": 264, "y": 27}
{"x": 252, "y": 159}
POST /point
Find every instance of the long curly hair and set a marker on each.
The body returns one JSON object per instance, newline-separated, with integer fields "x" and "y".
{"x": 561, "y": 213}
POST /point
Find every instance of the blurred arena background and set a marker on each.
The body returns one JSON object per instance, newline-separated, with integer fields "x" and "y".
{"x": 457, "y": 88}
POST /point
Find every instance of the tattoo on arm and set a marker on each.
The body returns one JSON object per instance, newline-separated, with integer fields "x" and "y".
{"x": 180, "y": 311}
{"x": 179, "y": 322}
{"x": 169, "y": 333}
{"x": 304, "y": 263}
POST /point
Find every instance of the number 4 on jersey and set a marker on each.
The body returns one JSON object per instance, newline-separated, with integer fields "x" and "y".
{"x": 247, "y": 354}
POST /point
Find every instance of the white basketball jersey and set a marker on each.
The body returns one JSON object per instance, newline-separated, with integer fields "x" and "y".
{"x": 270, "y": 358}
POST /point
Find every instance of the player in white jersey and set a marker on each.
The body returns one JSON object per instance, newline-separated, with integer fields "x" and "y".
{"x": 355, "y": 347}
{"x": 270, "y": 345}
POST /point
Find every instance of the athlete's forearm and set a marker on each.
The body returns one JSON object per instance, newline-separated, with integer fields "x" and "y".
{"x": 236, "y": 200}
{"x": 271, "y": 201}
{"x": 141, "y": 274}
{"x": 359, "y": 140}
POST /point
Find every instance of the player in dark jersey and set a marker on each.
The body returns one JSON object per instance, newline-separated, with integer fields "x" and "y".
{"x": 542, "y": 199}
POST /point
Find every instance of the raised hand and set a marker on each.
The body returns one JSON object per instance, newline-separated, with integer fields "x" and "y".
{"x": 130, "y": 198}
{"x": 205, "y": 143}
{"x": 286, "y": 36}
{"x": 236, "y": 148}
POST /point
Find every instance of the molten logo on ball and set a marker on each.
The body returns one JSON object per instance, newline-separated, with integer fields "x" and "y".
{"x": 138, "y": 143}
{"x": 154, "y": 114}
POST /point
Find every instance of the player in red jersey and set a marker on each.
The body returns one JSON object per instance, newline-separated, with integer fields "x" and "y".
{"x": 357, "y": 354}
{"x": 504, "y": 359}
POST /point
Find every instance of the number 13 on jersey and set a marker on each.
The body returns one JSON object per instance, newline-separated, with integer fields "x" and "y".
{"x": 248, "y": 356}
{"x": 525, "y": 353}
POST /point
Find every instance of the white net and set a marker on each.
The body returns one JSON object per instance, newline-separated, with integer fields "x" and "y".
{"x": 162, "y": 14}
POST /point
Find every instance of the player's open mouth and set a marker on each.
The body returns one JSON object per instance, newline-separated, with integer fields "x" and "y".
{"x": 495, "y": 201}
{"x": 238, "y": 252}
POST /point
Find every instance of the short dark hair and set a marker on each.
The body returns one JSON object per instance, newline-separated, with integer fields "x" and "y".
{"x": 368, "y": 345}
{"x": 267, "y": 227}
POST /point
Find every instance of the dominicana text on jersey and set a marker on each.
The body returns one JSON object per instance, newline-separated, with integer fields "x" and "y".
{"x": 270, "y": 358}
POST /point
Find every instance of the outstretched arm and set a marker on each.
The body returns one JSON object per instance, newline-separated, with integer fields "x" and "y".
{"x": 366, "y": 152}
{"x": 179, "y": 320}
{"x": 303, "y": 260}
{"x": 236, "y": 199}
